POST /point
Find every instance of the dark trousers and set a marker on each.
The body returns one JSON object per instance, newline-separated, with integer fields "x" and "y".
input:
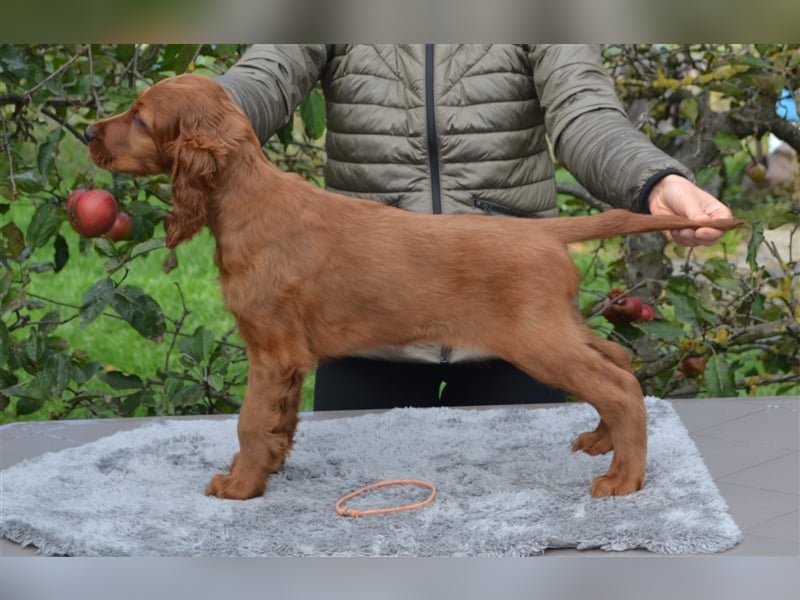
{"x": 358, "y": 383}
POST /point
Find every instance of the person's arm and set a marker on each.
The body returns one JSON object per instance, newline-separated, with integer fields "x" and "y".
{"x": 270, "y": 81}
{"x": 590, "y": 132}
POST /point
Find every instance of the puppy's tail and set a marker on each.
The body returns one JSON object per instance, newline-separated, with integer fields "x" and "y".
{"x": 618, "y": 222}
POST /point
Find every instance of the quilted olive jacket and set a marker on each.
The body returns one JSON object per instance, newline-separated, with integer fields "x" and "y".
{"x": 457, "y": 129}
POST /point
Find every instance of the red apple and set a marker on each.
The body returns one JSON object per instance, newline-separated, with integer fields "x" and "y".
{"x": 93, "y": 212}
{"x": 647, "y": 313}
{"x": 615, "y": 293}
{"x": 122, "y": 229}
{"x": 694, "y": 366}
{"x": 73, "y": 197}
{"x": 623, "y": 310}
{"x": 631, "y": 307}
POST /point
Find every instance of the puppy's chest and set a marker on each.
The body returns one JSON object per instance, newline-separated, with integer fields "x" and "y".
{"x": 260, "y": 285}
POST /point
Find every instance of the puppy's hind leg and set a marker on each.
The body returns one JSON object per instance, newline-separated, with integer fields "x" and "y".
{"x": 599, "y": 441}
{"x": 572, "y": 363}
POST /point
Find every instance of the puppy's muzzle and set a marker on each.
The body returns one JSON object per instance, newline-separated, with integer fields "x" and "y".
{"x": 89, "y": 133}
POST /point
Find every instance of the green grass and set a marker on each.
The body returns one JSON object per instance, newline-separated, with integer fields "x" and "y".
{"x": 111, "y": 340}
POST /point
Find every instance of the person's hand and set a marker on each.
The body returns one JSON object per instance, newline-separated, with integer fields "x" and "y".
{"x": 676, "y": 195}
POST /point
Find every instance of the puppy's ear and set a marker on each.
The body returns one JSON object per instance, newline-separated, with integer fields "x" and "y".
{"x": 206, "y": 141}
{"x": 196, "y": 164}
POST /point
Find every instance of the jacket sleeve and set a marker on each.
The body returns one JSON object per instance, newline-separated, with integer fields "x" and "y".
{"x": 270, "y": 81}
{"x": 589, "y": 130}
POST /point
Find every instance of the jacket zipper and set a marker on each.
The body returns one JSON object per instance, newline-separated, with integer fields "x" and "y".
{"x": 433, "y": 155}
{"x": 433, "y": 146}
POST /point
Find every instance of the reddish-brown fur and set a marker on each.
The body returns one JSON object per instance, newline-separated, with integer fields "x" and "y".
{"x": 310, "y": 275}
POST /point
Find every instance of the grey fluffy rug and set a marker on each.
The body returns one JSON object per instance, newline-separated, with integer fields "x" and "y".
{"x": 508, "y": 485}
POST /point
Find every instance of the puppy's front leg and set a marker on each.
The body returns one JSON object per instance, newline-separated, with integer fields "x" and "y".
{"x": 267, "y": 423}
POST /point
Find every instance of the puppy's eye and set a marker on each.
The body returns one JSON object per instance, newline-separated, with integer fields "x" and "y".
{"x": 138, "y": 121}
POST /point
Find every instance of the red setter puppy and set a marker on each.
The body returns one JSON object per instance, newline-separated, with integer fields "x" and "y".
{"x": 311, "y": 275}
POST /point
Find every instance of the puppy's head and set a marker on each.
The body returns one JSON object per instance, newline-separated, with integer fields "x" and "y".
{"x": 185, "y": 126}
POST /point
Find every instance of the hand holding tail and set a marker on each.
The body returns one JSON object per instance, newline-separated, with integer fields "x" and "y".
{"x": 675, "y": 195}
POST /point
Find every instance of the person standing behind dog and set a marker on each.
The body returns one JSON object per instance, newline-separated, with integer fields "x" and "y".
{"x": 462, "y": 129}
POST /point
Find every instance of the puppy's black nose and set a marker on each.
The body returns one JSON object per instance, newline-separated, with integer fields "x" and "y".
{"x": 88, "y": 134}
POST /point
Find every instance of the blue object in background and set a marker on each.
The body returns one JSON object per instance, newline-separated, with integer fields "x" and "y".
{"x": 786, "y": 106}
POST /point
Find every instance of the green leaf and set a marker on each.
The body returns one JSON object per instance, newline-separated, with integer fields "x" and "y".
{"x": 43, "y": 225}
{"x": 27, "y": 405}
{"x": 41, "y": 267}
{"x": 682, "y": 294}
{"x": 14, "y": 61}
{"x": 688, "y": 108}
{"x": 55, "y": 375}
{"x": 148, "y": 246}
{"x": 187, "y": 396}
{"x": 121, "y": 381}
{"x": 628, "y": 331}
{"x": 662, "y": 330}
{"x": 5, "y": 344}
{"x": 779, "y": 82}
{"x": 142, "y": 229}
{"x": 105, "y": 247}
{"x": 755, "y": 61}
{"x": 12, "y": 241}
{"x": 61, "y": 253}
{"x": 312, "y": 111}
{"x": 178, "y": 57}
{"x": 131, "y": 403}
{"x": 198, "y": 346}
{"x": 85, "y": 370}
{"x": 33, "y": 350}
{"x": 31, "y": 396}
{"x": 13, "y": 299}
{"x": 6, "y": 279}
{"x": 140, "y": 311}
{"x": 783, "y": 218}
{"x": 95, "y": 300}
{"x": 719, "y": 377}
{"x": 48, "y": 149}
{"x": 49, "y": 323}
{"x": 727, "y": 142}
{"x": 180, "y": 394}
{"x": 285, "y": 135}
{"x": 27, "y": 183}
{"x": 706, "y": 175}
{"x": 756, "y": 239}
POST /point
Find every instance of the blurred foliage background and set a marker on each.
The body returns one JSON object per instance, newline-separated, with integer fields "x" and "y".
{"x": 96, "y": 328}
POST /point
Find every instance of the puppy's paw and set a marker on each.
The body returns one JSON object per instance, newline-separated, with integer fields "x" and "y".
{"x": 236, "y": 487}
{"x": 593, "y": 443}
{"x": 615, "y": 485}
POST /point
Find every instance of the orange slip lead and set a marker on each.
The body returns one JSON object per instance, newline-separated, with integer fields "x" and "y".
{"x": 352, "y": 512}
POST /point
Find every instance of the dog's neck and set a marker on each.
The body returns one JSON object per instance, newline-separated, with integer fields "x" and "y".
{"x": 257, "y": 189}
